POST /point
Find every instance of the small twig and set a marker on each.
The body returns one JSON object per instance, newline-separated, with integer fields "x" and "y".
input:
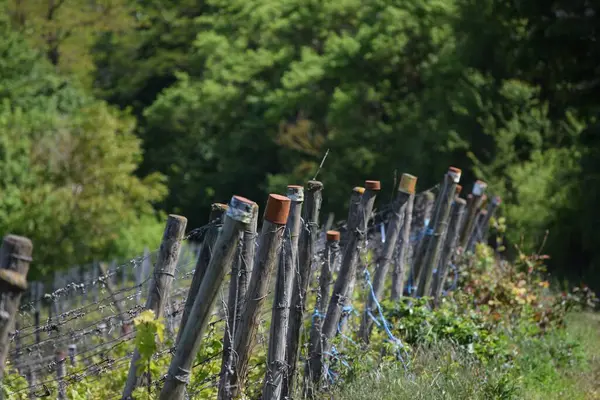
{"x": 543, "y": 242}
{"x": 321, "y": 165}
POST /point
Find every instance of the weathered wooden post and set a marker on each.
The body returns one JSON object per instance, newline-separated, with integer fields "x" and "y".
{"x": 491, "y": 211}
{"x": 106, "y": 278}
{"x": 237, "y": 218}
{"x": 450, "y": 245}
{"x": 61, "y": 372}
{"x": 424, "y": 204}
{"x": 440, "y": 227}
{"x": 469, "y": 200}
{"x": 477, "y": 234}
{"x": 55, "y": 303}
{"x": 271, "y": 235}
{"x": 95, "y": 273}
{"x": 215, "y": 220}
{"x": 113, "y": 273}
{"x": 350, "y": 258}
{"x": 458, "y": 190}
{"x": 237, "y": 295}
{"x": 140, "y": 275}
{"x": 146, "y": 266}
{"x": 246, "y": 259}
{"x": 72, "y": 354}
{"x": 160, "y": 286}
{"x": 39, "y": 291}
{"x": 15, "y": 256}
{"x": 472, "y": 207}
{"x": 31, "y": 376}
{"x": 124, "y": 277}
{"x": 406, "y": 189}
{"x": 288, "y": 265}
{"x": 351, "y": 222}
{"x": 302, "y": 277}
{"x": 401, "y": 266}
{"x": 325, "y": 280}
{"x": 17, "y": 339}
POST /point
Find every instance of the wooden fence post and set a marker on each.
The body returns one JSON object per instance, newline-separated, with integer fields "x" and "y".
{"x": 325, "y": 280}
{"x": 406, "y": 189}
{"x": 472, "y": 208}
{"x": 246, "y": 259}
{"x": 351, "y": 222}
{"x": 271, "y": 235}
{"x": 39, "y": 292}
{"x": 350, "y": 259}
{"x": 440, "y": 227}
{"x": 113, "y": 273}
{"x": 237, "y": 217}
{"x": 401, "y": 266}
{"x": 160, "y": 286}
{"x": 477, "y": 234}
{"x": 107, "y": 279}
{"x": 215, "y": 221}
{"x": 237, "y": 296}
{"x": 421, "y": 223}
{"x": 73, "y": 354}
{"x": 61, "y": 372}
{"x": 31, "y": 376}
{"x": 95, "y": 291}
{"x": 491, "y": 211}
{"x": 469, "y": 200}
{"x": 140, "y": 276}
{"x": 457, "y": 214}
{"x": 302, "y": 278}
{"x": 288, "y": 265}
{"x": 15, "y": 256}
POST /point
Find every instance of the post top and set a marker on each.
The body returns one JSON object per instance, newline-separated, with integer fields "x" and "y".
{"x": 295, "y": 193}
{"x": 455, "y": 174}
{"x": 479, "y": 187}
{"x": 19, "y": 240}
{"x": 240, "y": 209}
{"x": 373, "y": 185}
{"x": 333, "y": 236}
{"x": 219, "y": 207}
{"x": 178, "y": 218}
{"x": 277, "y": 210}
{"x": 408, "y": 183}
{"x": 314, "y": 186}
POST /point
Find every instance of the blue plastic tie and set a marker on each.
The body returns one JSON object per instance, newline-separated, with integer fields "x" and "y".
{"x": 384, "y": 322}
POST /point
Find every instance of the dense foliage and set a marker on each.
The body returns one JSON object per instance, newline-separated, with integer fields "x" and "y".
{"x": 247, "y": 96}
{"x": 68, "y": 163}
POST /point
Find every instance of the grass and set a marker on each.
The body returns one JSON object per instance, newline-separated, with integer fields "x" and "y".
{"x": 562, "y": 365}
{"x": 548, "y": 374}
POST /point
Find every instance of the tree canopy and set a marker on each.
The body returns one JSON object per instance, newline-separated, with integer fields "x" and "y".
{"x": 67, "y": 163}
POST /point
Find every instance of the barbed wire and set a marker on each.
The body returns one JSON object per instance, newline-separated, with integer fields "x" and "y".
{"x": 64, "y": 327}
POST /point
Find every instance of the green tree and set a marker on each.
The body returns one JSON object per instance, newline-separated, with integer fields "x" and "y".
{"x": 66, "y": 30}
{"x": 274, "y": 84}
{"x": 133, "y": 66}
{"x": 67, "y": 163}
